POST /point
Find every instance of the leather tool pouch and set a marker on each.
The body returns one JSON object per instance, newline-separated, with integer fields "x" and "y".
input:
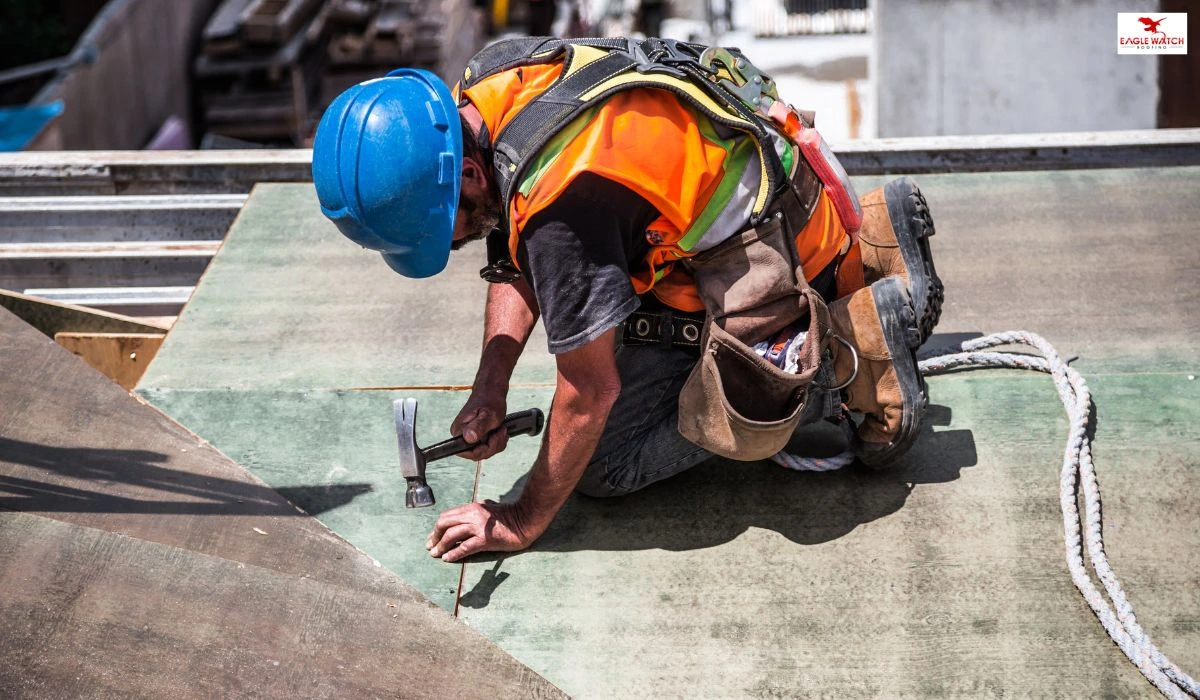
{"x": 735, "y": 403}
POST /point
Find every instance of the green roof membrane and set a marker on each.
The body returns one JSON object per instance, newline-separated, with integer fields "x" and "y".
{"x": 289, "y": 303}
{"x": 943, "y": 577}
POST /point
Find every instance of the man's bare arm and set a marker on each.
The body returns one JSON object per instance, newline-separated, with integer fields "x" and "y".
{"x": 512, "y": 311}
{"x": 586, "y": 388}
{"x": 511, "y": 314}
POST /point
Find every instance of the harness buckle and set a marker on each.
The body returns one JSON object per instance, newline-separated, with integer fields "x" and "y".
{"x": 653, "y": 60}
{"x": 740, "y": 77}
{"x": 500, "y": 268}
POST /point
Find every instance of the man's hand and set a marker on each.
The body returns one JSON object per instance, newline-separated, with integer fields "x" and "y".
{"x": 588, "y": 384}
{"x": 481, "y": 527}
{"x": 483, "y": 413}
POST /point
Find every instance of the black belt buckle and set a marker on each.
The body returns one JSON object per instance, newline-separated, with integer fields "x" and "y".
{"x": 666, "y": 328}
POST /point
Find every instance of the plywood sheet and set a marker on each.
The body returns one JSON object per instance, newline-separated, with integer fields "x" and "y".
{"x": 52, "y": 317}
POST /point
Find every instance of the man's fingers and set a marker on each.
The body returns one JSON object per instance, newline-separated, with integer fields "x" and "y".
{"x": 495, "y": 444}
{"x": 489, "y": 448}
{"x": 434, "y": 536}
{"x": 481, "y": 452}
{"x": 445, "y": 521}
{"x": 460, "y": 420}
{"x": 466, "y": 549}
{"x": 484, "y": 421}
{"x": 458, "y": 533}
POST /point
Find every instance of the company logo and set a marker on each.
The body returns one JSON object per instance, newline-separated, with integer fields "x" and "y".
{"x": 1158, "y": 33}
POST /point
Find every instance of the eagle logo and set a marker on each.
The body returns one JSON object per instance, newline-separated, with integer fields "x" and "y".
{"x": 1152, "y": 25}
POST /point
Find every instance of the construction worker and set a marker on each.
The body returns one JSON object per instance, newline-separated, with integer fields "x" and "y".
{"x": 661, "y": 191}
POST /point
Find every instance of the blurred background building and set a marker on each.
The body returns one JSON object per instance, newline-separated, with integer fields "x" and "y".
{"x": 131, "y": 74}
{"x": 951, "y": 67}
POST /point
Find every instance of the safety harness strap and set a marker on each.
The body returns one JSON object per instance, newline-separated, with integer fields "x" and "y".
{"x": 525, "y": 51}
{"x": 593, "y": 70}
{"x": 542, "y": 118}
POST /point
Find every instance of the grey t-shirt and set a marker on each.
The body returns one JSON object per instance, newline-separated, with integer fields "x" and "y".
{"x": 576, "y": 255}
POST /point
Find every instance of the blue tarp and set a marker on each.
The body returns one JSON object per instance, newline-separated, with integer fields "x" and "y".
{"x": 19, "y": 125}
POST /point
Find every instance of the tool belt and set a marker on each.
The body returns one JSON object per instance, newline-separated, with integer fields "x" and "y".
{"x": 668, "y": 328}
{"x": 735, "y": 403}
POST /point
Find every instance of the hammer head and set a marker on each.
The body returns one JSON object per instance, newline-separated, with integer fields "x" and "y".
{"x": 412, "y": 459}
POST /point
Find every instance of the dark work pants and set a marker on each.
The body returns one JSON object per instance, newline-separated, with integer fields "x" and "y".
{"x": 641, "y": 443}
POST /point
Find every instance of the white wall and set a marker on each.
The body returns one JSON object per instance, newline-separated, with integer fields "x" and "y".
{"x": 948, "y": 67}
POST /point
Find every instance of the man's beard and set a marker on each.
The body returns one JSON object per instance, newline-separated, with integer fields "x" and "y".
{"x": 479, "y": 217}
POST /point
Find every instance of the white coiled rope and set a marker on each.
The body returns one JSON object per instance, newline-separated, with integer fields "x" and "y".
{"x": 1117, "y": 618}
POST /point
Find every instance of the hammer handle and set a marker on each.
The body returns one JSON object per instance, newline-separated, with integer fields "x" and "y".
{"x": 528, "y": 422}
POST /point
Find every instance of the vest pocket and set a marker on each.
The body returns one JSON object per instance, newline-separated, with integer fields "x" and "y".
{"x": 735, "y": 403}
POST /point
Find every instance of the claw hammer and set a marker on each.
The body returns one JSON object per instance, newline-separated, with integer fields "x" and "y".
{"x": 413, "y": 458}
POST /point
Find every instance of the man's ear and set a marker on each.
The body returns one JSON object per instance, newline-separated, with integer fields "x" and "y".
{"x": 473, "y": 173}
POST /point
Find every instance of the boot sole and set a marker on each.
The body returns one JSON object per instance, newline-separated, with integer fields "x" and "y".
{"x": 899, "y": 320}
{"x": 913, "y": 225}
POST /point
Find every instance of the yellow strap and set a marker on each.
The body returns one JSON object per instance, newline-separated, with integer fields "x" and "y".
{"x": 581, "y": 57}
{"x": 692, "y": 90}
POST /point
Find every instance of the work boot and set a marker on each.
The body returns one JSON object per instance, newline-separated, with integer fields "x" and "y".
{"x": 874, "y": 359}
{"x": 894, "y": 241}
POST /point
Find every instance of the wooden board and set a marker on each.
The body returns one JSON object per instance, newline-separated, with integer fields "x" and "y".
{"x": 51, "y": 317}
{"x": 122, "y": 357}
{"x": 137, "y": 560}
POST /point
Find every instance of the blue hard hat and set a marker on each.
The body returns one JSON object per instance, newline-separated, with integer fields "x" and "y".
{"x": 387, "y": 160}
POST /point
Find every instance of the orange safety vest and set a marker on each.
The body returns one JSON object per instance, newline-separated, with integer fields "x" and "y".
{"x": 652, "y": 143}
